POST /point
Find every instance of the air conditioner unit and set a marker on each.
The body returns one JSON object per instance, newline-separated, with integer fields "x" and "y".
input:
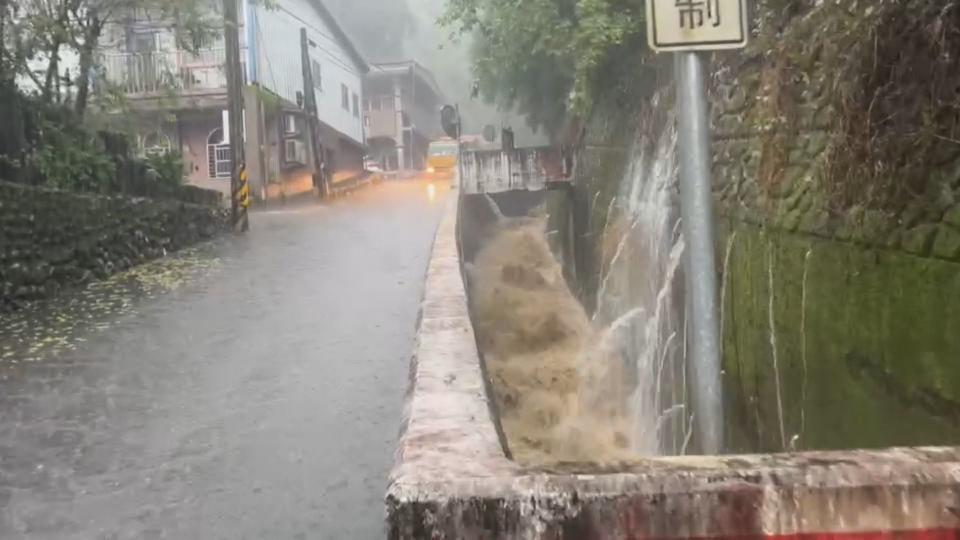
{"x": 290, "y": 126}
{"x": 295, "y": 152}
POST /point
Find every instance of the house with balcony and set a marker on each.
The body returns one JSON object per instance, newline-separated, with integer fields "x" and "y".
{"x": 402, "y": 114}
{"x": 174, "y": 99}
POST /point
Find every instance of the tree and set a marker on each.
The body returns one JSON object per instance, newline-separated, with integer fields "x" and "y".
{"x": 37, "y": 32}
{"x": 191, "y": 19}
{"x": 543, "y": 56}
{"x": 6, "y": 16}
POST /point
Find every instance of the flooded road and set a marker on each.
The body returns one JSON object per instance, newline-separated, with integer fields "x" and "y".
{"x": 251, "y": 388}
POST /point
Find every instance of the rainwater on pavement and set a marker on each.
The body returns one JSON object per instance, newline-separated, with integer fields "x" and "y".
{"x": 247, "y": 388}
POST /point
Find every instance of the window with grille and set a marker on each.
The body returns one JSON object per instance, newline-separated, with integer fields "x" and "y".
{"x": 345, "y": 96}
{"x": 219, "y": 155}
{"x": 356, "y": 106}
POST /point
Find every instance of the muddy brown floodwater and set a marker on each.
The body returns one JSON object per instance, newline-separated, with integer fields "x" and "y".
{"x": 542, "y": 353}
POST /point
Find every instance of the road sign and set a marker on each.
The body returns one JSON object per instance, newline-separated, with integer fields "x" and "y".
{"x": 696, "y": 25}
{"x": 490, "y": 133}
{"x": 450, "y": 121}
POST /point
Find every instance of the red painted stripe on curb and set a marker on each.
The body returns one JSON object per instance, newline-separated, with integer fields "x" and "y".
{"x": 922, "y": 534}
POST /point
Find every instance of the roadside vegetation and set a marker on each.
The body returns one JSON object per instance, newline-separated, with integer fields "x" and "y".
{"x": 888, "y": 76}
{"x": 547, "y": 58}
{"x": 52, "y": 130}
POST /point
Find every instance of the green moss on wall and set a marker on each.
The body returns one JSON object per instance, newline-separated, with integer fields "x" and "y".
{"x": 866, "y": 344}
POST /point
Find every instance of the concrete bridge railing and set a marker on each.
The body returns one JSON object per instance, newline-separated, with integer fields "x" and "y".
{"x": 495, "y": 171}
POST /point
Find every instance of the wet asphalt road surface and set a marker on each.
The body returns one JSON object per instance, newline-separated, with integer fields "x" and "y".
{"x": 250, "y": 388}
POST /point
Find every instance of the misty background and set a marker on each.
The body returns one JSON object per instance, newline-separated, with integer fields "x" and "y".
{"x": 396, "y": 30}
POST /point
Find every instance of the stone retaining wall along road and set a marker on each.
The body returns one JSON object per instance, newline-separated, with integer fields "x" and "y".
{"x": 50, "y": 240}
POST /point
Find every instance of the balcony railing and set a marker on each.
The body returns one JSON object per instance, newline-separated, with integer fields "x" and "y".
{"x": 174, "y": 72}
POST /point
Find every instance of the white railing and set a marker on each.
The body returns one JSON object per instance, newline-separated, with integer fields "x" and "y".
{"x": 164, "y": 72}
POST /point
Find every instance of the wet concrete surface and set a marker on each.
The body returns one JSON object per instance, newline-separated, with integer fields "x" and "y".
{"x": 250, "y": 388}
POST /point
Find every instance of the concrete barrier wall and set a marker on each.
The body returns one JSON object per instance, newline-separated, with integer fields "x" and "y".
{"x": 452, "y": 478}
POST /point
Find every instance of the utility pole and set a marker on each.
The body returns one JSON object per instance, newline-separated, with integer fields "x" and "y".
{"x": 310, "y": 106}
{"x": 4, "y": 73}
{"x": 413, "y": 104}
{"x": 401, "y": 147}
{"x": 239, "y": 182}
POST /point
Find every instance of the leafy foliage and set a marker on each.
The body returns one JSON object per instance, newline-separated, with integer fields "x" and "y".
{"x": 544, "y": 56}
{"x": 899, "y": 111}
{"x": 168, "y": 168}
{"x": 39, "y": 143}
{"x": 891, "y": 120}
{"x": 45, "y": 137}
{"x": 35, "y": 34}
{"x": 73, "y": 160}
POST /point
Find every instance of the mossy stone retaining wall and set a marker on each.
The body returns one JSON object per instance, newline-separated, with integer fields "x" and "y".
{"x": 841, "y": 316}
{"x": 50, "y": 239}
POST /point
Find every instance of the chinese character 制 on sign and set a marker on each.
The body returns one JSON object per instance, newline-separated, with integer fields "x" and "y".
{"x": 676, "y": 25}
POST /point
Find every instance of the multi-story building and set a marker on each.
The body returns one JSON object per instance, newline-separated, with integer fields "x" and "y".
{"x": 402, "y": 113}
{"x": 176, "y": 99}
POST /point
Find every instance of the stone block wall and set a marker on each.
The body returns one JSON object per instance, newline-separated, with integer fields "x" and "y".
{"x": 838, "y": 225}
{"x": 786, "y": 154}
{"x": 51, "y": 240}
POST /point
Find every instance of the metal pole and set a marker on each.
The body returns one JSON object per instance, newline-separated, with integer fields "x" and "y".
{"x": 398, "y": 107}
{"x": 413, "y": 105}
{"x": 459, "y": 149}
{"x": 310, "y": 107}
{"x": 239, "y": 188}
{"x": 697, "y": 210}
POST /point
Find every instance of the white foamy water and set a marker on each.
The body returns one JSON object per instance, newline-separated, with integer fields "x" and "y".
{"x": 640, "y": 301}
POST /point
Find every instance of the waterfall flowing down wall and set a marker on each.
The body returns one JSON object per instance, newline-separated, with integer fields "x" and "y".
{"x": 640, "y": 302}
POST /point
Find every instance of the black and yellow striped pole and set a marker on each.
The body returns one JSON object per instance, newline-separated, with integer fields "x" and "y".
{"x": 239, "y": 184}
{"x": 241, "y": 200}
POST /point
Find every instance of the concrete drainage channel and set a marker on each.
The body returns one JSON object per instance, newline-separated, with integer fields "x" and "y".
{"x": 454, "y": 479}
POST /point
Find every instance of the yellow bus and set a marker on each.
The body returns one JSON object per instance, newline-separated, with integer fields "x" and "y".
{"x": 442, "y": 156}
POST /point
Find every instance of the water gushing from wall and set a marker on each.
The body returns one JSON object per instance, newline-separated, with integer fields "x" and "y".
{"x": 640, "y": 302}
{"x": 774, "y": 348}
{"x": 805, "y": 289}
{"x": 724, "y": 288}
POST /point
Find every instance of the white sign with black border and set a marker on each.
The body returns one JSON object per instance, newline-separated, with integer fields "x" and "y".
{"x": 696, "y": 25}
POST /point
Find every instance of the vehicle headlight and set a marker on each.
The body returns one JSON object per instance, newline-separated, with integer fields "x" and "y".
{"x": 431, "y": 170}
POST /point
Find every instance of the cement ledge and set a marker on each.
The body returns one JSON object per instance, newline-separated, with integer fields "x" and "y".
{"x": 452, "y": 478}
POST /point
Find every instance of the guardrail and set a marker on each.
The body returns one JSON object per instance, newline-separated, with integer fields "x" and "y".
{"x": 165, "y": 72}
